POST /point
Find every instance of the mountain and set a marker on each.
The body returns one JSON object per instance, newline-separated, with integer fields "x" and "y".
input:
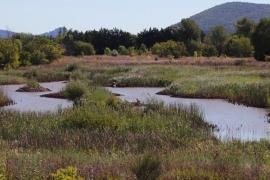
{"x": 229, "y": 13}
{"x": 6, "y": 34}
{"x": 55, "y": 32}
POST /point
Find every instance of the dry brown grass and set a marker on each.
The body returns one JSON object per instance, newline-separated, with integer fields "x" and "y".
{"x": 150, "y": 60}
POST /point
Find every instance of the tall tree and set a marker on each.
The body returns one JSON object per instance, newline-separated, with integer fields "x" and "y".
{"x": 261, "y": 40}
{"x": 218, "y": 37}
{"x": 190, "y": 30}
{"x": 245, "y": 27}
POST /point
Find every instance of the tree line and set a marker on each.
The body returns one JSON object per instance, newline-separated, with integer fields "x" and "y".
{"x": 250, "y": 39}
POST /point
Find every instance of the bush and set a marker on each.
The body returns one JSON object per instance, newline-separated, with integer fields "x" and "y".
{"x": 169, "y": 48}
{"x": 132, "y": 51}
{"x": 148, "y": 168}
{"x": 75, "y": 90}
{"x": 209, "y": 50}
{"x": 123, "y": 50}
{"x": 69, "y": 173}
{"x": 239, "y": 47}
{"x": 115, "y": 53}
{"x": 107, "y": 51}
{"x": 143, "y": 49}
{"x": 83, "y": 48}
{"x": 72, "y": 67}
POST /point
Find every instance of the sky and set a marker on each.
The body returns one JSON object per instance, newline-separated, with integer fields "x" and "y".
{"x": 39, "y": 16}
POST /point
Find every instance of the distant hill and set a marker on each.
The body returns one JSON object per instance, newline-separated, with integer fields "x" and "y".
{"x": 227, "y": 14}
{"x": 55, "y": 32}
{"x": 5, "y": 33}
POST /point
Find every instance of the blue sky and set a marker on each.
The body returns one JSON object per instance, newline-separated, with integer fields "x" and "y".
{"x": 38, "y": 16}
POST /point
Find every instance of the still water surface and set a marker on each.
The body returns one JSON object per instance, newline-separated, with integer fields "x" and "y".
{"x": 233, "y": 121}
{"x": 32, "y": 102}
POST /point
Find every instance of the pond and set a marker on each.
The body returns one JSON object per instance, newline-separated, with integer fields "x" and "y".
{"x": 32, "y": 102}
{"x": 234, "y": 122}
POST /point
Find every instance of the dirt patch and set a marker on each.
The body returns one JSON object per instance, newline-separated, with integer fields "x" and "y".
{"x": 31, "y": 89}
{"x": 58, "y": 95}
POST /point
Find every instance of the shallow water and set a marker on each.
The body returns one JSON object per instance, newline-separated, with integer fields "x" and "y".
{"x": 32, "y": 102}
{"x": 233, "y": 121}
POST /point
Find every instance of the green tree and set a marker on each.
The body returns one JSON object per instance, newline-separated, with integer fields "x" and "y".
{"x": 169, "y": 48}
{"x": 245, "y": 27}
{"x": 239, "y": 47}
{"x": 190, "y": 30}
{"x": 9, "y": 53}
{"x": 261, "y": 40}
{"x": 218, "y": 37}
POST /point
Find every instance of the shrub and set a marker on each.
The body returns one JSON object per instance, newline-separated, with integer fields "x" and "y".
{"x": 83, "y": 48}
{"x": 72, "y": 67}
{"x": 115, "y": 53}
{"x": 107, "y": 51}
{"x": 148, "y": 168}
{"x": 123, "y": 50}
{"x": 239, "y": 47}
{"x": 209, "y": 50}
{"x": 169, "y": 48}
{"x": 142, "y": 50}
{"x": 132, "y": 51}
{"x": 75, "y": 90}
{"x": 69, "y": 173}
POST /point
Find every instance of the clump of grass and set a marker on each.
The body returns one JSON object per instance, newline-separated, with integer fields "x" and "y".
{"x": 32, "y": 86}
{"x": 47, "y": 75}
{"x": 4, "y": 100}
{"x": 137, "y": 81}
{"x": 72, "y": 67}
{"x": 66, "y": 173}
{"x": 148, "y": 168}
{"x": 250, "y": 94}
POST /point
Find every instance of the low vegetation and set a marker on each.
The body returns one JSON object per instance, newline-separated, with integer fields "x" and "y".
{"x": 102, "y": 137}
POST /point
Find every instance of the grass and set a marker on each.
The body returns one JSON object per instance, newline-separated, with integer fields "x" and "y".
{"x": 4, "y": 99}
{"x": 102, "y": 137}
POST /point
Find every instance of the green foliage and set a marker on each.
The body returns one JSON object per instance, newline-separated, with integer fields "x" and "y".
{"x": 169, "y": 48}
{"x": 209, "y": 50}
{"x": 123, "y": 50}
{"x": 195, "y": 46}
{"x": 9, "y": 53}
{"x": 115, "y": 53}
{"x": 217, "y": 37}
{"x": 107, "y": 51}
{"x": 83, "y": 48}
{"x": 261, "y": 39}
{"x": 245, "y": 27}
{"x": 239, "y": 47}
{"x": 69, "y": 173}
{"x": 148, "y": 168}
{"x": 142, "y": 49}
{"x": 39, "y": 50}
{"x": 189, "y": 30}
{"x": 72, "y": 67}
{"x": 75, "y": 90}
{"x": 132, "y": 51}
